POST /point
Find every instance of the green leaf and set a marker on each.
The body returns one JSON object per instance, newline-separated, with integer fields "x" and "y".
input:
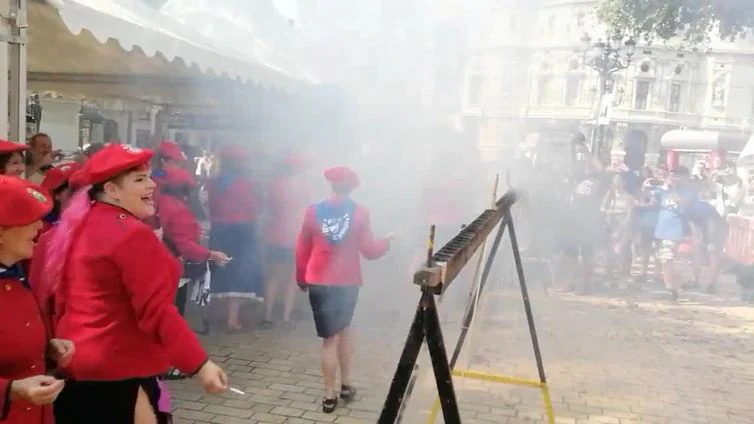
{"x": 693, "y": 22}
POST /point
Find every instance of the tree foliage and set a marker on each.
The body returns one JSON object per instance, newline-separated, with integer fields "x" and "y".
{"x": 693, "y": 22}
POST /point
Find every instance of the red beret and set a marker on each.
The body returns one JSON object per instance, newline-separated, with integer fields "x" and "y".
{"x": 342, "y": 175}
{"x": 177, "y": 177}
{"x": 10, "y": 147}
{"x": 171, "y": 150}
{"x": 21, "y": 202}
{"x": 112, "y": 160}
{"x": 76, "y": 180}
{"x": 57, "y": 176}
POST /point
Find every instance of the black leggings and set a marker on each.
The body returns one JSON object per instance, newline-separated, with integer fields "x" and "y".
{"x": 100, "y": 402}
{"x": 181, "y": 296}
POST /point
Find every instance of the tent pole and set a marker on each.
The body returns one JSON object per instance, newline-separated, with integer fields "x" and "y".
{"x": 17, "y": 56}
{"x": 5, "y": 33}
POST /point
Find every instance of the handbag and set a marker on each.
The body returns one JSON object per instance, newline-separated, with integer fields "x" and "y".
{"x": 194, "y": 270}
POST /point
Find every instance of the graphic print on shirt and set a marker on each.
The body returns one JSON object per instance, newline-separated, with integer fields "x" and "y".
{"x": 335, "y": 220}
{"x": 670, "y": 203}
{"x": 36, "y": 195}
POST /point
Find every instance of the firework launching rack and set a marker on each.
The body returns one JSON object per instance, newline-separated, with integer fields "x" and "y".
{"x": 441, "y": 268}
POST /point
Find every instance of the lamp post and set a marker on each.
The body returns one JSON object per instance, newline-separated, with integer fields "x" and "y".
{"x": 607, "y": 58}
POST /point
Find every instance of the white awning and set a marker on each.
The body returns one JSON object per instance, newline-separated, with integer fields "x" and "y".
{"x": 133, "y": 24}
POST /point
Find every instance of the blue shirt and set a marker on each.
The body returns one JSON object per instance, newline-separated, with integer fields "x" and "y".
{"x": 671, "y": 220}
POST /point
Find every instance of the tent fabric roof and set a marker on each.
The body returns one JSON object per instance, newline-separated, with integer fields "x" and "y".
{"x": 137, "y": 27}
{"x": 256, "y": 25}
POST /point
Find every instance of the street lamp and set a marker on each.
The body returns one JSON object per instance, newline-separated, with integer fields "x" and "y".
{"x": 607, "y": 58}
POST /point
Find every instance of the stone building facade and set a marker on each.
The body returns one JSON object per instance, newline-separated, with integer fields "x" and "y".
{"x": 528, "y": 84}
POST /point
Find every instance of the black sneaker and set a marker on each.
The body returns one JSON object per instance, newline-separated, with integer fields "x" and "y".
{"x": 328, "y": 405}
{"x": 347, "y": 393}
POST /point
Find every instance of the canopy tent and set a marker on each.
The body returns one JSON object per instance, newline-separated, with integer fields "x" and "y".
{"x": 256, "y": 25}
{"x": 125, "y": 49}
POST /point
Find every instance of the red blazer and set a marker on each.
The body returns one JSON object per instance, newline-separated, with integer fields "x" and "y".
{"x": 320, "y": 262}
{"x": 234, "y": 204}
{"x": 116, "y": 302}
{"x": 24, "y": 340}
{"x": 287, "y": 200}
{"x": 180, "y": 228}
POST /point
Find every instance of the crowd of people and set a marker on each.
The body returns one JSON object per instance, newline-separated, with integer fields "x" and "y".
{"x": 99, "y": 257}
{"x": 618, "y": 220}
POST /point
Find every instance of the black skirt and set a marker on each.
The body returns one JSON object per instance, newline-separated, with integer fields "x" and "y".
{"x": 332, "y": 307}
{"x": 111, "y": 402}
{"x": 241, "y": 277}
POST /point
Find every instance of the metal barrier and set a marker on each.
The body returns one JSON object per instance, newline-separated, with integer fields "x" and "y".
{"x": 440, "y": 271}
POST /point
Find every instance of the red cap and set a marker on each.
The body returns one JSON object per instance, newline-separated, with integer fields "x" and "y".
{"x": 111, "y": 161}
{"x": 21, "y": 202}
{"x": 177, "y": 177}
{"x": 10, "y": 147}
{"x": 57, "y": 176}
{"x": 171, "y": 150}
{"x": 342, "y": 175}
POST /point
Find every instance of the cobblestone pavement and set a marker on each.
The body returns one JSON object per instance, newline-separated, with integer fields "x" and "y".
{"x": 614, "y": 358}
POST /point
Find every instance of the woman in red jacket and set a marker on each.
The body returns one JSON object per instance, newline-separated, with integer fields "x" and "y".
{"x": 12, "y": 158}
{"x": 233, "y": 210}
{"x": 114, "y": 285}
{"x": 334, "y": 235}
{"x": 181, "y": 231}
{"x": 25, "y": 390}
{"x": 56, "y": 183}
{"x": 169, "y": 156}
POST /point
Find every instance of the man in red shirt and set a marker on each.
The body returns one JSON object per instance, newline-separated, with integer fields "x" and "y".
{"x": 334, "y": 235}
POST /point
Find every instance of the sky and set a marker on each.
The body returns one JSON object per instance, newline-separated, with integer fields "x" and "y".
{"x": 287, "y": 8}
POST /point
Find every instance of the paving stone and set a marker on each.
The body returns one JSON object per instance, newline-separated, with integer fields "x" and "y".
{"x": 611, "y": 358}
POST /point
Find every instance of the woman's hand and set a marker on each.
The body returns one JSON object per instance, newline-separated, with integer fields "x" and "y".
{"x": 61, "y": 351}
{"x": 38, "y": 390}
{"x": 213, "y": 378}
{"x": 219, "y": 258}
